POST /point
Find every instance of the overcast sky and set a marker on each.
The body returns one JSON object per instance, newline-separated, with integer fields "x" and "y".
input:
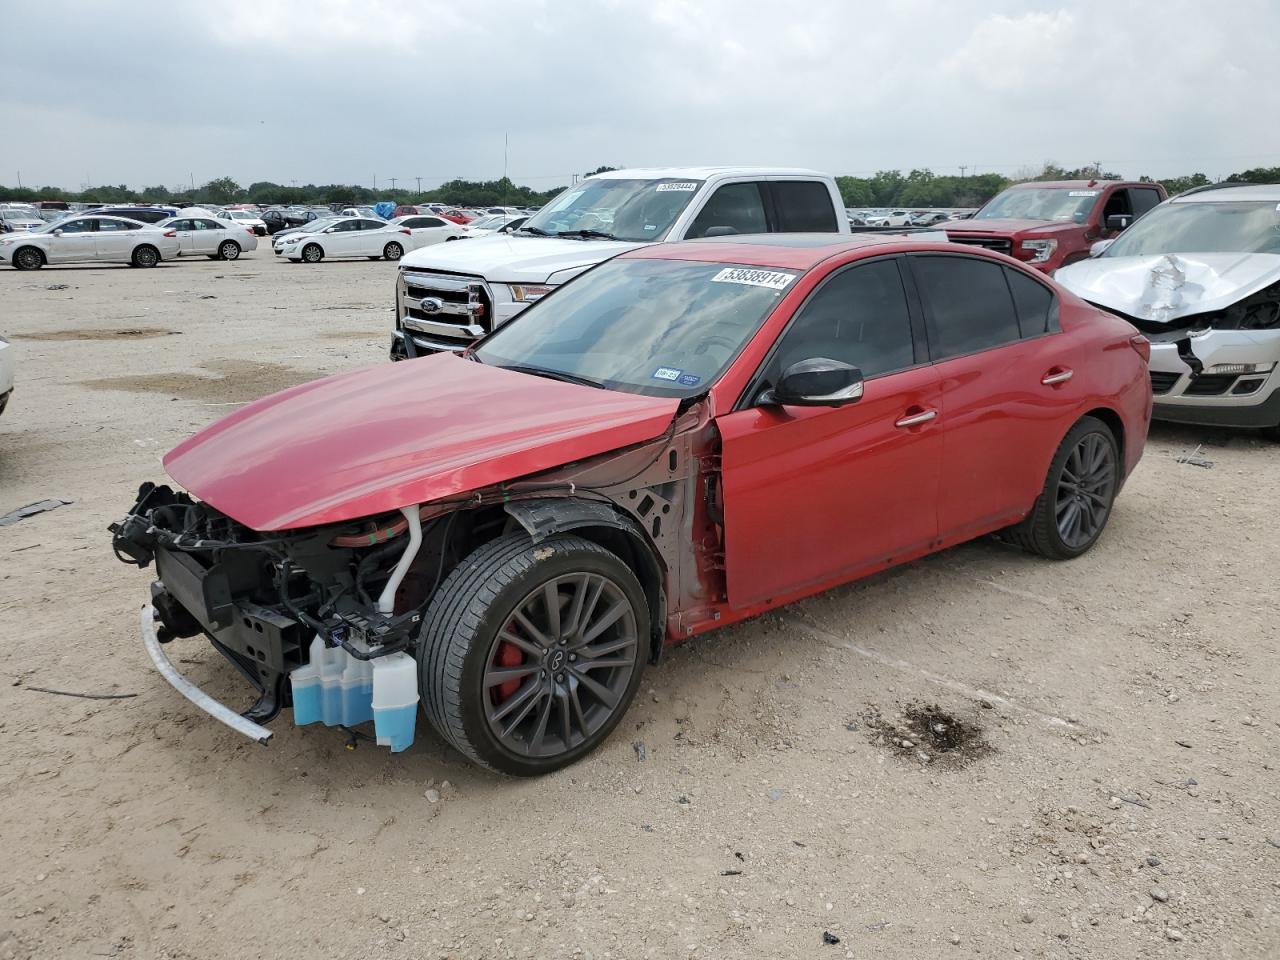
{"x": 342, "y": 90}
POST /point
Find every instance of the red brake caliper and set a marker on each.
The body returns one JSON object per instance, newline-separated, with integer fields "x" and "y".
{"x": 508, "y": 655}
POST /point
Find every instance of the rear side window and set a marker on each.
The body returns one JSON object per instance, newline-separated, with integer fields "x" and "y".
{"x": 1143, "y": 199}
{"x": 1037, "y": 306}
{"x": 970, "y": 307}
{"x": 735, "y": 205}
{"x": 803, "y": 206}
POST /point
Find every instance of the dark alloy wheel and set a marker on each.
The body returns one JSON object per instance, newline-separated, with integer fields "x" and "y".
{"x": 312, "y": 253}
{"x": 393, "y": 251}
{"x": 145, "y": 257}
{"x": 28, "y": 258}
{"x": 531, "y": 652}
{"x": 230, "y": 250}
{"x": 1075, "y": 504}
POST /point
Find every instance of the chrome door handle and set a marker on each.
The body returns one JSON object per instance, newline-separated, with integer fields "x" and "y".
{"x": 915, "y": 419}
{"x": 1062, "y": 376}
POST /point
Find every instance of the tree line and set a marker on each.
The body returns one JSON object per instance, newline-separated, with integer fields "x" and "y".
{"x": 888, "y": 188}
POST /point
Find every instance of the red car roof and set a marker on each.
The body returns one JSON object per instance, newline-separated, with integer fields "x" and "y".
{"x": 795, "y": 251}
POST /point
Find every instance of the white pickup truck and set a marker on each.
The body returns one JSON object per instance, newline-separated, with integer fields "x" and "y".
{"x": 447, "y": 295}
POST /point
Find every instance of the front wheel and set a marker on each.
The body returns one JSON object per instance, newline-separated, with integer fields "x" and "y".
{"x": 28, "y": 258}
{"x": 531, "y": 652}
{"x": 393, "y": 251}
{"x": 312, "y": 253}
{"x": 230, "y": 250}
{"x": 1075, "y": 503}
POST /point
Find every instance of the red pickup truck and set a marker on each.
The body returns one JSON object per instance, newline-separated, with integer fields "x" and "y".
{"x": 1052, "y": 224}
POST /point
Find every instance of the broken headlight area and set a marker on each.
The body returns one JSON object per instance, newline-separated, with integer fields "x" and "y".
{"x": 265, "y": 600}
{"x": 1258, "y": 311}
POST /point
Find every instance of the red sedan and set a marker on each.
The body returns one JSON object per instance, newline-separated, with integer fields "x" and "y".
{"x": 684, "y": 436}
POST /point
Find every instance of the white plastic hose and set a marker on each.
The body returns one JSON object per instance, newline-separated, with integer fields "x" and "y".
{"x": 387, "y": 600}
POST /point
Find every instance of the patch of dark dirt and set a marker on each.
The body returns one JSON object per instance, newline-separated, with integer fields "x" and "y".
{"x": 234, "y": 381}
{"x": 125, "y": 333}
{"x": 927, "y": 733}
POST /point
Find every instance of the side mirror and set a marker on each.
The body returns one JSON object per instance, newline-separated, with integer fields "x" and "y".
{"x": 1119, "y": 221}
{"x": 818, "y": 382}
{"x": 1097, "y": 249}
{"x": 330, "y": 230}
{"x": 58, "y": 232}
{"x": 719, "y": 232}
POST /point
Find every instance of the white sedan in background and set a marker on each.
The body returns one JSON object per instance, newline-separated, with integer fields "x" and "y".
{"x": 496, "y": 224}
{"x": 244, "y": 218}
{"x": 346, "y": 237}
{"x": 81, "y": 238}
{"x": 207, "y": 235}
{"x": 6, "y": 373}
{"x": 425, "y": 229}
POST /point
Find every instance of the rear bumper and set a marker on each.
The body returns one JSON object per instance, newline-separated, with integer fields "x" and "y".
{"x": 219, "y": 711}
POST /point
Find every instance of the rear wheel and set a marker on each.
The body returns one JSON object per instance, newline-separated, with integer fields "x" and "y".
{"x": 28, "y": 258}
{"x": 393, "y": 251}
{"x": 532, "y": 652}
{"x": 1075, "y": 504}
{"x": 229, "y": 250}
{"x": 312, "y": 253}
{"x": 146, "y": 257}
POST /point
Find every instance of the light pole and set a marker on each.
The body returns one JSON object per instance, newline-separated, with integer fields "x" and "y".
{"x": 419, "y": 179}
{"x": 393, "y": 182}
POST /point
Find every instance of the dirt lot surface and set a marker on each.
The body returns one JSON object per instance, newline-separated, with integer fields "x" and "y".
{"x": 982, "y": 754}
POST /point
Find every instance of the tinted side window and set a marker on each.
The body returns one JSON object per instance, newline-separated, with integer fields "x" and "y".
{"x": 969, "y": 305}
{"x": 736, "y": 205}
{"x": 77, "y": 226}
{"x": 859, "y": 316}
{"x": 1143, "y": 199}
{"x": 1036, "y": 304}
{"x": 180, "y": 225}
{"x": 111, "y": 226}
{"x": 431, "y": 222}
{"x": 804, "y": 206}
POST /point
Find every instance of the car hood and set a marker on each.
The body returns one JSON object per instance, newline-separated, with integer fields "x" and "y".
{"x": 397, "y": 434}
{"x": 1170, "y": 286}
{"x": 1008, "y": 226}
{"x": 507, "y": 259}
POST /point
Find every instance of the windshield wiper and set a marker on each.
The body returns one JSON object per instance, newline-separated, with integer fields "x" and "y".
{"x": 534, "y": 231}
{"x": 587, "y": 234}
{"x": 557, "y": 375}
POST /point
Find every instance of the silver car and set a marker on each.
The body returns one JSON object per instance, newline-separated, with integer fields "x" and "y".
{"x": 1199, "y": 275}
{"x": 208, "y": 236}
{"x": 81, "y": 238}
{"x": 19, "y": 216}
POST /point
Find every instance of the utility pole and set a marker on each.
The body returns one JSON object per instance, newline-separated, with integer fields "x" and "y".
{"x": 1097, "y": 168}
{"x": 419, "y": 179}
{"x": 193, "y": 182}
{"x": 963, "y": 168}
{"x": 393, "y": 182}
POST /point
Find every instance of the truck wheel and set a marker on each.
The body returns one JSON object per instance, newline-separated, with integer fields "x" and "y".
{"x": 531, "y": 652}
{"x": 393, "y": 251}
{"x": 28, "y": 258}
{"x": 146, "y": 256}
{"x": 312, "y": 253}
{"x": 230, "y": 250}
{"x": 1075, "y": 504}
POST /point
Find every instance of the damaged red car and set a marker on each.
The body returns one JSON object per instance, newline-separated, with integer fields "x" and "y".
{"x": 684, "y": 436}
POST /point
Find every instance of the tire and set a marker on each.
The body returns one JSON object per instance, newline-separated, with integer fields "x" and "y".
{"x": 450, "y": 239}
{"x": 145, "y": 256}
{"x": 462, "y": 652}
{"x": 393, "y": 251}
{"x": 28, "y": 258}
{"x": 229, "y": 250}
{"x": 1068, "y": 516}
{"x": 312, "y": 253}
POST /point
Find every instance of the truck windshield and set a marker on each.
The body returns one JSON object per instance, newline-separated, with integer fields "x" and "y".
{"x": 1202, "y": 227}
{"x": 1041, "y": 203}
{"x": 636, "y": 210}
{"x": 660, "y": 328}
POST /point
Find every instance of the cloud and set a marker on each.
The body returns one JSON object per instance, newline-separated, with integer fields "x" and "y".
{"x": 341, "y": 90}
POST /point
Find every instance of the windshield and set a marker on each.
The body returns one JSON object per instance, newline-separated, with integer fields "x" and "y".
{"x": 1218, "y": 227}
{"x": 19, "y": 213}
{"x": 636, "y": 210}
{"x": 1041, "y": 203}
{"x": 242, "y": 215}
{"x": 661, "y": 328}
{"x": 315, "y": 226}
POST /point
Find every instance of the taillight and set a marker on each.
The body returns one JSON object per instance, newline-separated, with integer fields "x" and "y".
{"x": 249, "y": 231}
{"x": 406, "y": 231}
{"x": 170, "y": 233}
{"x": 1142, "y": 345}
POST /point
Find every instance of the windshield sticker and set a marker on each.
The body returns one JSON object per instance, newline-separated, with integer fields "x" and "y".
{"x": 1082, "y": 193}
{"x": 754, "y": 278}
{"x": 677, "y": 187}
{"x": 666, "y": 373}
{"x": 689, "y": 380}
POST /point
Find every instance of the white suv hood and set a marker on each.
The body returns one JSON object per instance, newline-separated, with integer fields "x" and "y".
{"x": 506, "y": 259}
{"x": 1174, "y": 285}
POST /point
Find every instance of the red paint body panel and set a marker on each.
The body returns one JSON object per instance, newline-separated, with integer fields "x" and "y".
{"x": 397, "y": 434}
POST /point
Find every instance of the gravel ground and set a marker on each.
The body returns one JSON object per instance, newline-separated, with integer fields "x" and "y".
{"x": 981, "y": 754}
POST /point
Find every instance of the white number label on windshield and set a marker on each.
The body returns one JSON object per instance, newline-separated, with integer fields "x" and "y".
{"x": 1082, "y": 193}
{"x": 678, "y": 187}
{"x": 754, "y": 278}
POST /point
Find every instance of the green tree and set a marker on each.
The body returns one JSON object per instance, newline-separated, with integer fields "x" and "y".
{"x": 222, "y": 190}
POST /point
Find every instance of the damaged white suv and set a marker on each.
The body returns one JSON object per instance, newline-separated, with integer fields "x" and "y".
{"x": 1200, "y": 276}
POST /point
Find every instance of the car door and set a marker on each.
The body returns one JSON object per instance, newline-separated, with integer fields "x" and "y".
{"x": 812, "y": 494}
{"x": 186, "y": 235}
{"x": 209, "y": 234}
{"x": 1008, "y": 395}
{"x": 74, "y": 241}
{"x": 429, "y": 230}
{"x": 342, "y": 240}
{"x": 113, "y": 239}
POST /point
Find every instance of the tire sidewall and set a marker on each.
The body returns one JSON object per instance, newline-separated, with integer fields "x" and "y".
{"x": 233, "y": 247}
{"x": 1081, "y": 430}
{"x": 36, "y": 264}
{"x": 309, "y": 247}
{"x": 141, "y": 254}
{"x": 569, "y": 557}
{"x": 387, "y": 251}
